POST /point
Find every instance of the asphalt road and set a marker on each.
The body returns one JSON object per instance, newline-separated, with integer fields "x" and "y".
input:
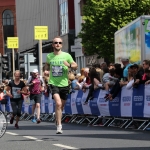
{"x": 43, "y": 136}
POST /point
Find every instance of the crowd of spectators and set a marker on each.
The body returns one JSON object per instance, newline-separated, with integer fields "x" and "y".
{"x": 110, "y": 77}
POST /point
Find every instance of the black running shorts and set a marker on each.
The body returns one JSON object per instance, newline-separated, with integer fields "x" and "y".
{"x": 62, "y": 91}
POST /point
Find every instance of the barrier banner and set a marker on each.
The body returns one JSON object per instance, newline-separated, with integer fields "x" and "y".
{"x": 102, "y": 104}
{"x": 86, "y": 108}
{"x": 78, "y": 102}
{"x": 147, "y": 101}
{"x": 73, "y": 102}
{"x": 46, "y": 104}
{"x": 50, "y": 104}
{"x": 42, "y": 104}
{"x": 138, "y": 101}
{"x": 93, "y": 103}
{"x": 126, "y": 102}
{"x": 114, "y": 106}
{"x": 67, "y": 108}
{"x": 8, "y": 106}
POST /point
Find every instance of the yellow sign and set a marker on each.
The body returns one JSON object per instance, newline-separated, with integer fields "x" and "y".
{"x": 41, "y": 32}
{"x": 12, "y": 42}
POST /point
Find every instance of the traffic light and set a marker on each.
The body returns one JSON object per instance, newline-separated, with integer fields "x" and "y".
{"x": 36, "y": 54}
{"x": 6, "y": 64}
{"x": 20, "y": 60}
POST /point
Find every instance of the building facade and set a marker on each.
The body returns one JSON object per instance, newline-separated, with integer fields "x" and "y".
{"x": 7, "y": 23}
{"x": 30, "y": 13}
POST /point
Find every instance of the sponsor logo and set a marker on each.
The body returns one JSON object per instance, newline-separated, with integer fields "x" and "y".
{"x": 101, "y": 100}
{"x": 127, "y": 104}
{"x": 138, "y": 98}
{"x": 126, "y": 98}
{"x": 138, "y": 104}
{"x": 115, "y": 100}
{"x": 3, "y": 124}
{"x": 147, "y": 97}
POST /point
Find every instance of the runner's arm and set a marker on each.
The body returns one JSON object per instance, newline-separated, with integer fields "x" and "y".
{"x": 8, "y": 91}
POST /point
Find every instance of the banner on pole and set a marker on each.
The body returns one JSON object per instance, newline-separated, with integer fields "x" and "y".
{"x": 12, "y": 42}
{"x": 41, "y": 32}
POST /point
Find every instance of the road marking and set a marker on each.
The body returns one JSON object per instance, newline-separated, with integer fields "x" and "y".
{"x": 11, "y": 133}
{"x": 30, "y": 137}
{"x": 39, "y": 140}
{"x": 64, "y": 146}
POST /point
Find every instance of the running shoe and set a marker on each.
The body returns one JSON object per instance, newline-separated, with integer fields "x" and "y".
{"x": 16, "y": 126}
{"x": 33, "y": 119}
{"x": 59, "y": 129}
{"x": 11, "y": 120}
{"x": 38, "y": 121}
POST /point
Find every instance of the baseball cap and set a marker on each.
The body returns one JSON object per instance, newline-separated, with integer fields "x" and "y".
{"x": 125, "y": 59}
{"x": 134, "y": 66}
{"x": 35, "y": 71}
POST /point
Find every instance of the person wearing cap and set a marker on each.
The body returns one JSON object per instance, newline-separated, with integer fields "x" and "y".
{"x": 35, "y": 82}
{"x": 59, "y": 63}
{"x": 126, "y": 64}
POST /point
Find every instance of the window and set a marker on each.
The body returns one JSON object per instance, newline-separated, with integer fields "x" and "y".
{"x": 8, "y": 28}
{"x": 8, "y": 18}
{"x": 63, "y": 7}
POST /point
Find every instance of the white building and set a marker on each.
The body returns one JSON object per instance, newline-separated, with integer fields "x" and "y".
{"x": 77, "y": 47}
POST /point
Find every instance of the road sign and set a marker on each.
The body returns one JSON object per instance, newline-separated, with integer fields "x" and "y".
{"x": 41, "y": 32}
{"x": 12, "y": 42}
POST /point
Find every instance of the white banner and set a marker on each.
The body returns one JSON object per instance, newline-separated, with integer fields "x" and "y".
{"x": 102, "y": 104}
{"x": 42, "y": 104}
{"x": 126, "y": 101}
{"x": 86, "y": 108}
{"x": 50, "y": 104}
{"x": 147, "y": 101}
{"x": 73, "y": 102}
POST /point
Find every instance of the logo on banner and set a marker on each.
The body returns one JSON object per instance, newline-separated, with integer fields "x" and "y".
{"x": 101, "y": 100}
{"x": 126, "y": 100}
{"x": 138, "y": 100}
{"x": 3, "y": 124}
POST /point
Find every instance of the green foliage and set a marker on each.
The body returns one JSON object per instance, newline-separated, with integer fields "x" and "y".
{"x": 103, "y": 18}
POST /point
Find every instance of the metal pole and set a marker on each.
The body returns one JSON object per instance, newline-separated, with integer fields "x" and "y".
{"x": 40, "y": 57}
{"x": 13, "y": 62}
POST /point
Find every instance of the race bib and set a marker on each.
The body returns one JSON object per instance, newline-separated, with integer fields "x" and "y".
{"x": 15, "y": 92}
{"x": 57, "y": 71}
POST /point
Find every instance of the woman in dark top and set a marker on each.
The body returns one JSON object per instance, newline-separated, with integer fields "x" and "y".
{"x": 14, "y": 90}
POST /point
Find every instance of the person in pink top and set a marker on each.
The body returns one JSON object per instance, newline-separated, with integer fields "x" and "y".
{"x": 36, "y": 86}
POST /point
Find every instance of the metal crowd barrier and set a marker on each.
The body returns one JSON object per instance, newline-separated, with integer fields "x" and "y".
{"x": 89, "y": 120}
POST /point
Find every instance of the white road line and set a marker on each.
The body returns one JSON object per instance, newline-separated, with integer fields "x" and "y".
{"x": 11, "y": 133}
{"x": 39, "y": 140}
{"x": 64, "y": 146}
{"x": 30, "y": 137}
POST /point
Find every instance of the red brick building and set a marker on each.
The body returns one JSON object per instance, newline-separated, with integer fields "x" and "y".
{"x": 7, "y": 23}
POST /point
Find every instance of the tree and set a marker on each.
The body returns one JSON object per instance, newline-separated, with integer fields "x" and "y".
{"x": 102, "y": 18}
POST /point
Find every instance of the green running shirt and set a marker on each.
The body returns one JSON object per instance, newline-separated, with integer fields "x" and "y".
{"x": 58, "y": 71}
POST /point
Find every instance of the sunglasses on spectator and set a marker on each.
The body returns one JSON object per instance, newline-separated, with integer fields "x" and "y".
{"x": 57, "y": 42}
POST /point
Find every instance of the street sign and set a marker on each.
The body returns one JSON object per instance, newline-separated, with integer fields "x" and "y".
{"x": 75, "y": 48}
{"x": 12, "y": 42}
{"x": 41, "y": 32}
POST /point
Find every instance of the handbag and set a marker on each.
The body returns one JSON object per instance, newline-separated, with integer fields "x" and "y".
{"x": 3, "y": 101}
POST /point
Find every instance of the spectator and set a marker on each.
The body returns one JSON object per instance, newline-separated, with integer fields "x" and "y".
{"x": 141, "y": 76}
{"x": 95, "y": 81}
{"x": 126, "y": 64}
